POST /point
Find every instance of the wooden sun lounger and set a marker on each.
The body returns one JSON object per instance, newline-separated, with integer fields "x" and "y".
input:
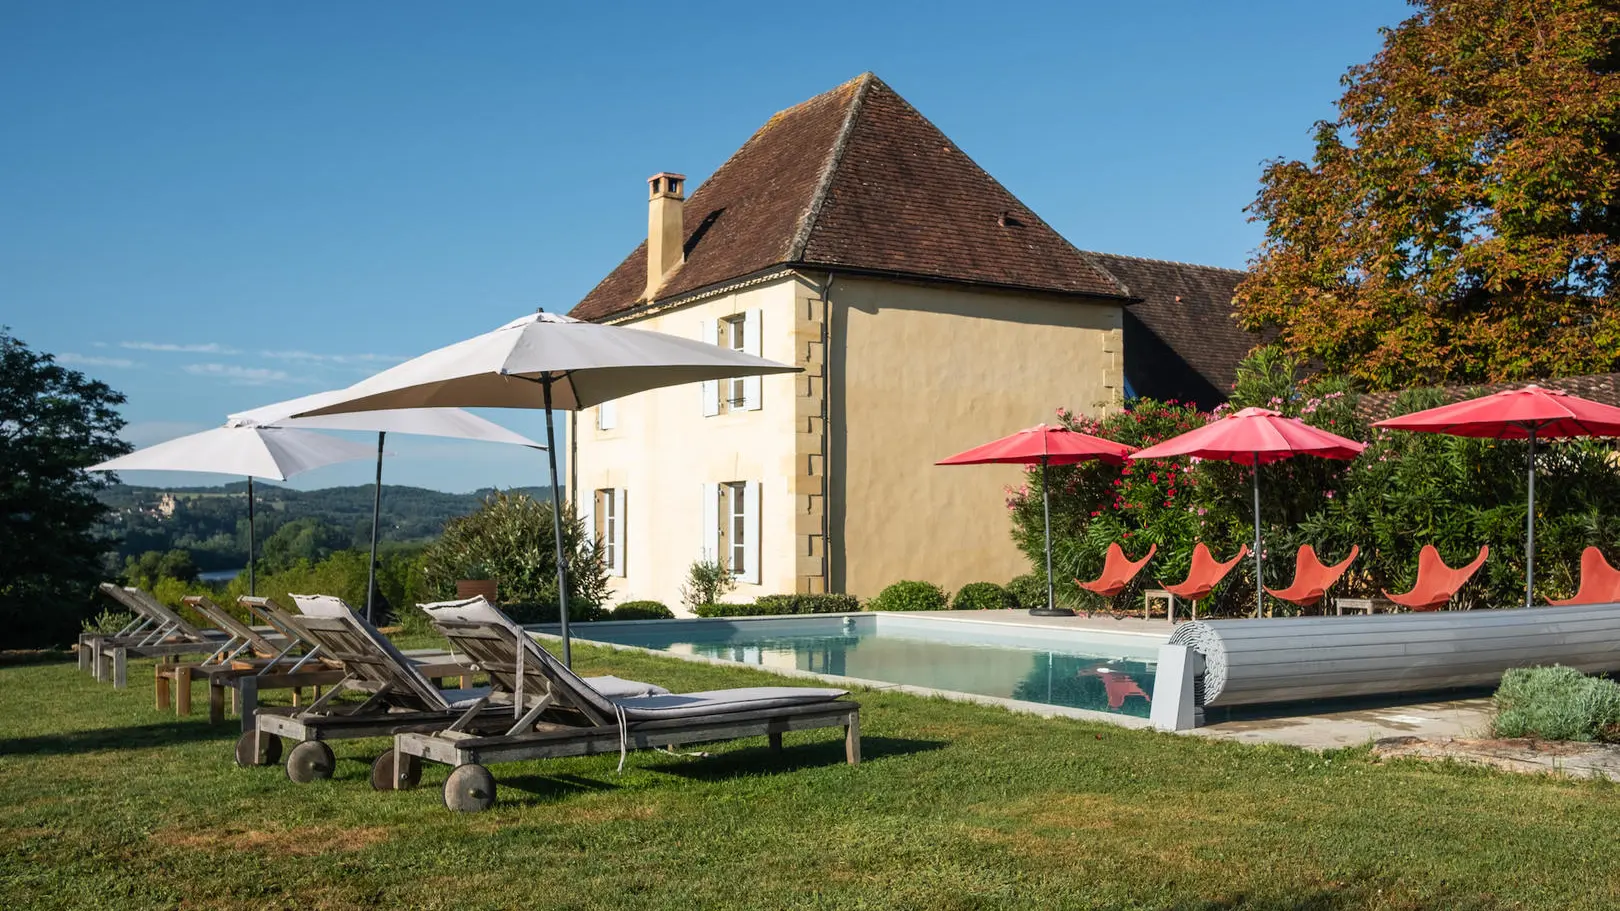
{"x": 310, "y": 669}
{"x": 566, "y": 716}
{"x": 165, "y": 634}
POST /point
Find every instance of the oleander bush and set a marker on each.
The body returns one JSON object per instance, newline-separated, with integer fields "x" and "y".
{"x": 1404, "y": 491}
{"x": 909, "y": 595}
{"x": 983, "y": 596}
{"x": 1557, "y": 703}
{"x": 641, "y": 610}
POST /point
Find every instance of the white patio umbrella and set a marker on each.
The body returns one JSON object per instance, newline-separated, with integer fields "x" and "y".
{"x": 242, "y": 449}
{"x": 553, "y": 362}
{"x": 435, "y": 422}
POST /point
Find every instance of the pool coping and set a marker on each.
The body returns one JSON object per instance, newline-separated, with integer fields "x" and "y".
{"x": 1013, "y": 705}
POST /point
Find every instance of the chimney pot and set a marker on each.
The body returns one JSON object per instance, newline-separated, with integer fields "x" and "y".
{"x": 666, "y": 234}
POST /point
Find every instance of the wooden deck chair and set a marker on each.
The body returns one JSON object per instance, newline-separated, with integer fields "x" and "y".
{"x": 1600, "y": 582}
{"x": 1436, "y": 582}
{"x": 399, "y": 694}
{"x": 1205, "y": 573}
{"x": 570, "y": 717}
{"x": 1312, "y": 578}
{"x": 163, "y": 634}
{"x": 265, "y": 650}
{"x": 1117, "y": 571}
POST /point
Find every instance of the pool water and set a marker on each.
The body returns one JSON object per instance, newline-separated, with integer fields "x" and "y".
{"x": 1054, "y": 667}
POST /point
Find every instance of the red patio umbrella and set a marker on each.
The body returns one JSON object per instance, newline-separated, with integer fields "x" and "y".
{"x": 1255, "y": 437}
{"x": 1044, "y": 445}
{"x": 1518, "y": 414}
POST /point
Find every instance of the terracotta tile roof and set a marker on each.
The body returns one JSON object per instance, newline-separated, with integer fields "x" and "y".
{"x": 1599, "y": 387}
{"x": 856, "y": 179}
{"x": 1186, "y": 311}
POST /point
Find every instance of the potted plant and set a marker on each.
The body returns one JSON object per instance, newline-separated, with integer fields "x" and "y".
{"x": 477, "y": 582}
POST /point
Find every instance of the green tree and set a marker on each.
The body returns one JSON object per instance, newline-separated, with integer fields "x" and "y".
{"x": 147, "y": 569}
{"x": 1460, "y": 219}
{"x": 53, "y": 423}
{"x": 509, "y": 539}
{"x": 310, "y": 540}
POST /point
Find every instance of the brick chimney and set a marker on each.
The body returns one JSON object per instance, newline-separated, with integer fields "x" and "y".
{"x": 666, "y": 200}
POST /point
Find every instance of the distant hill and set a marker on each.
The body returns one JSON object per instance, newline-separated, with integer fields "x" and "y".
{"x": 211, "y": 522}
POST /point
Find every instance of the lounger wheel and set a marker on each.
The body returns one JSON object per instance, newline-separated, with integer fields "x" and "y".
{"x": 469, "y": 789}
{"x": 309, "y": 761}
{"x": 382, "y": 773}
{"x": 256, "y": 748}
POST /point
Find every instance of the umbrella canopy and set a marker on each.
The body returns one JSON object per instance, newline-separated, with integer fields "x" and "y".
{"x": 433, "y": 422}
{"x": 1255, "y": 437}
{"x": 242, "y": 449}
{"x": 553, "y": 362}
{"x": 584, "y": 364}
{"x": 1044, "y": 445}
{"x": 1529, "y": 414}
{"x": 1515, "y": 414}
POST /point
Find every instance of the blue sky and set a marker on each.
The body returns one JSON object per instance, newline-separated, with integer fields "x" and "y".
{"x": 213, "y": 206}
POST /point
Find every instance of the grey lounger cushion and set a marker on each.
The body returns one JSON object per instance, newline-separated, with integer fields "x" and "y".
{"x": 719, "y": 702}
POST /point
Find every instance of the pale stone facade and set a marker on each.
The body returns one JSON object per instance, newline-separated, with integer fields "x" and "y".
{"x": 848, "y": 497}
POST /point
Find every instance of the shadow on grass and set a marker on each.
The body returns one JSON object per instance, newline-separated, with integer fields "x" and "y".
{"x": 1363, "y": 893}
{"x": 542, "y": 788}
{"x": 27, "y": 656}
{"x": 761, "y": 761}
{"x": 138, "y": 737}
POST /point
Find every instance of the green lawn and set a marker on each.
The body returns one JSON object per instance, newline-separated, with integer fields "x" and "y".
{"x": 105, "y": 803}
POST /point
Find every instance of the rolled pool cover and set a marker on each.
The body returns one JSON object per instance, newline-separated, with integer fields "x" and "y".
{"x": 1256, "y": 661}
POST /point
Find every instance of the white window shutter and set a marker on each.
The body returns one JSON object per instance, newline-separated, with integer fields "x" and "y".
{"x": 586, "y": 508}
{"x": 620, "y": 517}
{"x": 750, "y": 567}
{"x": 711, "y": 521}
{"x": 752, "y": 401}
{"x": 709, "y": 389}
{"x": 607, "y": 415}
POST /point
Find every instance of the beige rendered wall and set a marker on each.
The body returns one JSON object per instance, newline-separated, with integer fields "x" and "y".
{"x": 921, "y": 372}
{"x": 664, "y": 449}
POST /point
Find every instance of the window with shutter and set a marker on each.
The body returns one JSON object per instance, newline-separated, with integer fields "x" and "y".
{"x": 607, "y": 415}
{"x": 709, "y": 390}
{"x": 751, "y": 328}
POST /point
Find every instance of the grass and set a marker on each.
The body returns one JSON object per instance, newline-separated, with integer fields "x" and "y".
{"x": 106, "y": 803}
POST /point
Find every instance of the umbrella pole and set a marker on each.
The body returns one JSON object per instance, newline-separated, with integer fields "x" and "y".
{"x": 251, "y": 548}
{"x": 556, "y": 525}
{"x": 376, "y": 514}
{"x": 1530, "y": 530}
{"x": 1046, "y": 513}
{"x": 1259, "y": 566}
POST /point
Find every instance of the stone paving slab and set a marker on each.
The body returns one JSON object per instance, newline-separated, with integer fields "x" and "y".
{"x": 1456, "y": 718}
{"x": 1578, "y": 760}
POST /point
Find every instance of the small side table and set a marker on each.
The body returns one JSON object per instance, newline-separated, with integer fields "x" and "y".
{"x": 1368, "y": 606}
{"x": 1159, "y": 594}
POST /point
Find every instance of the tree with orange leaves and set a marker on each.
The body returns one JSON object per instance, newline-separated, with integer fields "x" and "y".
{"x": 1460, "y": 220}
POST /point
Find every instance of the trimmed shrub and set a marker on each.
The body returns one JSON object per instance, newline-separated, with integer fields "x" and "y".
{"x": 808, "y": 604}
{"x": 1557, "y": 703}
{"x": 1029, "y": 590}
{"x": 909, "y": 595}
{"x": 983, "y": 596}
{"x": 641, "y": 610}
{"x": 776, "y": 605}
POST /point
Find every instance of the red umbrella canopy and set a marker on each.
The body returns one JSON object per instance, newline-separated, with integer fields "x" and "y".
{"x": 1254, "y": 435}
{"x": 1056, "y": 445}
{"x": 1513, "y": 413}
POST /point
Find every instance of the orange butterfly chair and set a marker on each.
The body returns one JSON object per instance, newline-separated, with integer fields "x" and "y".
{"x": 1436, "y": 582}
{"x": 1117, "y": 572}
{"x": 1600, "y": 582}
{"x": 1312, "y": 578}
{"x": 1204, "y": 574}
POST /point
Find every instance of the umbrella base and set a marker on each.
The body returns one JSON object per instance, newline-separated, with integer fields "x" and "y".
{"x": 1051, "y": 612}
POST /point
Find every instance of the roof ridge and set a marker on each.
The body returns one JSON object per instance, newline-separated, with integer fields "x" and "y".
{"x": 829, "y": 168}
{"x": 1168, "y": 262}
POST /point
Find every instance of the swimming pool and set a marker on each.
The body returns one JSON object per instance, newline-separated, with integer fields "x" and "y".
{"x": 1076, "y": 668}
